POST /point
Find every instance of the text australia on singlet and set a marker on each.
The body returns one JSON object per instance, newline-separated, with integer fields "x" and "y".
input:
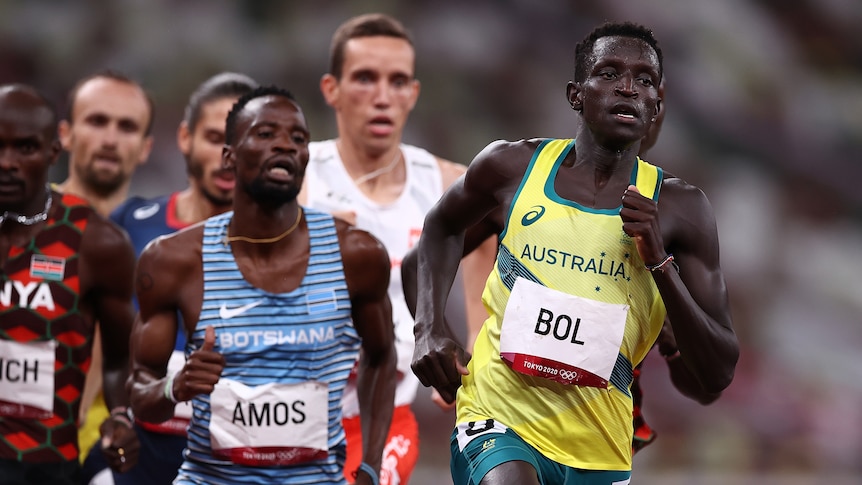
{"x": 575, "y": 262}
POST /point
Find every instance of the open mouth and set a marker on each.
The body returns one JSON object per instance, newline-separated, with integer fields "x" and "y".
{"x": 281, "y": 170}
{"x": 625, "y": 113}
{"x": 224, "y": 179}
{"x": 381, "y": 125}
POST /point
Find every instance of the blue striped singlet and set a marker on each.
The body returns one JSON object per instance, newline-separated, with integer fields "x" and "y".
{"x": 303, "y": 335}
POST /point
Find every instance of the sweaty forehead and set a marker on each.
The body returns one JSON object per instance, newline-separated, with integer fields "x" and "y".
{"x": 623, "y": 48}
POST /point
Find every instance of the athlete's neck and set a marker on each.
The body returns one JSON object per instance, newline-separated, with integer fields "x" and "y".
{"x": 103, "y": 204}
{"x": 379, "y": 174}
{"x": 192, "y": 206}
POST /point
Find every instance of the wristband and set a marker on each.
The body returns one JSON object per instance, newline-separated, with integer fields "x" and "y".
{"x": 169, "y": 388}
{"x": 365, "y": 467}
{"x": 124, "y": 413}
{"x": 662, "y": 266}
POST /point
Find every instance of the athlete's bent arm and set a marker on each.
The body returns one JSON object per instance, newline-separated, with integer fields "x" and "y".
{"x": 438, "y": 360}
{"x": 168, "y": 284}
{"x": 109, "y": 261}
{"x": 680, "y": 375}
{"x": 367, "y": 271}
{"x": 696, "y": 296}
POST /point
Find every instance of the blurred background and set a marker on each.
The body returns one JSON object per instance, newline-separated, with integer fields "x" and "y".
{"x": 764, "y": 112}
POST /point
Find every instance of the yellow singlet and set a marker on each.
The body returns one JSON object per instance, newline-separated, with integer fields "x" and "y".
{"x": 579, "y": 251}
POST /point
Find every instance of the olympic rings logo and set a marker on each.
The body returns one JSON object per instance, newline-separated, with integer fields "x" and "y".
{"x": 568, "y": 375}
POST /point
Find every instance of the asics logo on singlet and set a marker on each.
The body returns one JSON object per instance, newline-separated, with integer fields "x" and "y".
{"x": 145, "y": 212}
{"x": 226, "y": 313}
{"x": 533, "y": 216}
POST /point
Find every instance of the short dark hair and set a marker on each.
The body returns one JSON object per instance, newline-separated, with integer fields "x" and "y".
{"x": 367, "y": 25}
{"x": 259, "y": 92}
{"x": 116, "y": 76}
{"x": 47, "y": 104}
{"x": 625, "y": 29}
{"x": 222, "y": 85}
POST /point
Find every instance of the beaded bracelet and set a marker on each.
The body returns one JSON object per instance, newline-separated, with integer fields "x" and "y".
{"x": 663, "y": 264}
{"x": 365, "y": 467}
{"x": 169, "y": 388}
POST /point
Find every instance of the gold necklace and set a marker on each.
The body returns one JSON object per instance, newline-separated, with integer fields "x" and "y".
{"x": 229, "y": 239}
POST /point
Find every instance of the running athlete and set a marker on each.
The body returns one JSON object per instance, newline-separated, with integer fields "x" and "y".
{"x": 371, "y": 179}
{"x": 65, "y": 270}
{"x": 200, "y": 137}
{"x": 586, "y": 272}
{"x": 666, "y": 344}
{"x": 107, "y": 134}
{"x": 276, "y": 301}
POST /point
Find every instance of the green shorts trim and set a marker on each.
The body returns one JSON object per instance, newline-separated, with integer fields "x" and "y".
{"x": 498, "y": 444}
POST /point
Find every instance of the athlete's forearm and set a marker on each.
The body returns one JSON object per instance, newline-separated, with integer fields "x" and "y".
{"x": 439, "y": 254}
{"x": 149, "y": 399}
{"x": 375, "y": 386}
{"x": 709, "y": 348}
{"x": 114, "y": 375}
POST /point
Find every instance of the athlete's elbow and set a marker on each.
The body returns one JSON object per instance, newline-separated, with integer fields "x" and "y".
{"x": 723, "y": 376}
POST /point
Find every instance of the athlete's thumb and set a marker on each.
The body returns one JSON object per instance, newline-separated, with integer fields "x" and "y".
{"x": 209, "y": 338}
{"x": 634, "y": 189}
{"x": 461, "y": 362}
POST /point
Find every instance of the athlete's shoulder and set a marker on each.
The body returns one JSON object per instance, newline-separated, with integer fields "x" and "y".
{"x": 104, "y": 242}
{"x": 506, "y": 148}
{"x": 71, "y": 207}
{"x": 71, "y": 200}
{"x": 175, "y": 249}
{"x": 505, "y": 158}
{"x": 137, "y": 208}
{"x": 362, "y": 254}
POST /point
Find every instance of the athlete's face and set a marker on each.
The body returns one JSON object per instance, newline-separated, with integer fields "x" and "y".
{"x": 619, "y": 97}
{"x": 28, "y": 146}
{"x": 106, "y": 136}
{"x": 375, "y": 93}
{"x": 271, "y": 150}
{"x": 202, "y": 149}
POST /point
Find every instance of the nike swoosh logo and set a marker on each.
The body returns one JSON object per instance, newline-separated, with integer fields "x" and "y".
{"x": 146, "y": 211}
{"x": 226, "y": 313}
{"x": 532, "y": 216}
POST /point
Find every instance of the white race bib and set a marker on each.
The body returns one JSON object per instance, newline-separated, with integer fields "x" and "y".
{"x": 27, "y": 379}
{"x": 178, "y": 424}
{"x": 271, "y": 424}
{"x": 562, "y": 337}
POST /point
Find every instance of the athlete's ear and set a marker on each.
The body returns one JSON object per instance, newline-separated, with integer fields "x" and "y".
{"x": 184, "y": 138}
{"x": 415, "y": 88}
{"x": 228, "y": 158}
{"x": 330, "y": 89}
{"x": 55, "y": 149}
{"x": 573, "y": 94}
{"x": 64, "y": 131}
